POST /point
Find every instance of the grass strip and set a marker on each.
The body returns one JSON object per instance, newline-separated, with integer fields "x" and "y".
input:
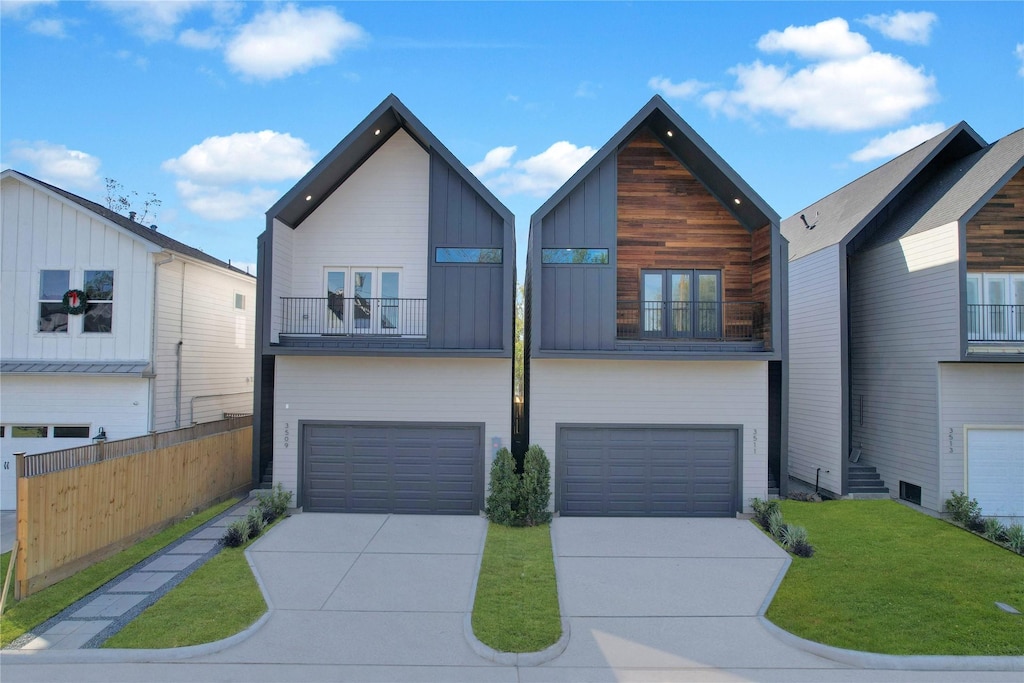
{"x": 516, "y": 606}
{"x": 888, "y": 579}
{"x": 22, "y": 616}
{"x": 217, "y": 600}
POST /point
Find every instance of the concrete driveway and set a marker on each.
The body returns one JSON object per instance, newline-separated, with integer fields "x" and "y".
{"x": 385, "y": 598}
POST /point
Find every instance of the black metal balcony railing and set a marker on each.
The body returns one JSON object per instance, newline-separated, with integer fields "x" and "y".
{"x": 712, "y": 320}
{"x": 336, "y": 315}
{"x": 992, "y": 322}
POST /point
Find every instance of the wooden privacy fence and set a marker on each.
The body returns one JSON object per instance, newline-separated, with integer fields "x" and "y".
{"x": 81, "y": 505}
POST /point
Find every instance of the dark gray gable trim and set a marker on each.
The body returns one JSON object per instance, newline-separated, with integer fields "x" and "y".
{"x": 691, "y": 149}
{"x": 349, "y": 154}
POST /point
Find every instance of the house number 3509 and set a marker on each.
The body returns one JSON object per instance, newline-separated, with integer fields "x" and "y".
{"x": 287, "y": 434}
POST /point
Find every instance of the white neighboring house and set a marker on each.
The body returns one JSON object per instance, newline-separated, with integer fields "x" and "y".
{"x": 165, "y": 341}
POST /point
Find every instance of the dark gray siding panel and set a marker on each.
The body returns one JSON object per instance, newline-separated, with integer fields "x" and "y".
{"x": 466, "y": 303}
{"x": 578, "y": 310}
{"x": 645, "y": 470}
{"x": 402, "y": 468}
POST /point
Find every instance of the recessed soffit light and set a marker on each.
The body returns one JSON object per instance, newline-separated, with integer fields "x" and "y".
{"x": 669, "y": 133}
{"x": 309, "y": 197}
{"x": 736, "y": 200}
{"x": 377, "y": 132}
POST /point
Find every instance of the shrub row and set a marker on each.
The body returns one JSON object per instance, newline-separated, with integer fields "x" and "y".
{"x": 269, "y": 507}
{"x": 966, "y": 512}
{"x": 793, "y": 538}
{"x": 520, "y": 499}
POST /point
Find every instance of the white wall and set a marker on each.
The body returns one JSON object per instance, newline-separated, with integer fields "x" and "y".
{"x": 388, "y": 389}
{"x": 39, "y": 231}
{"x": 904, "y": 318}
{"x": 655, "y": 392}
{"x": 281, "y": 276}
{"x": 118, "y": 404}
{"x": 974, "y": 395}
{"x": 217, "y": 343}
{"x": 815, "y": 369}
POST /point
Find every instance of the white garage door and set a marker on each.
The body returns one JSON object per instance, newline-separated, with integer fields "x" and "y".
{"x": 995, "y": 471}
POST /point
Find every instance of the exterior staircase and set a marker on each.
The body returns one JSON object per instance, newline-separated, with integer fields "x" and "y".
{"x": 267, "y": 480}
{"x": 863, "y": 482}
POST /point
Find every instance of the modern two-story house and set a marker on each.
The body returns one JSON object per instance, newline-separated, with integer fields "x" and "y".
{"x": 110, "y": 326}
{"x": 655, "y": 330}
{"x": 385, "y": 327}
{"x": 907, "y": 328}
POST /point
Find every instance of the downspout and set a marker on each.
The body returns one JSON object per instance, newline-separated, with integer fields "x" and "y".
{"x": 152, "y": 341}
{"x": 181, "y": 343}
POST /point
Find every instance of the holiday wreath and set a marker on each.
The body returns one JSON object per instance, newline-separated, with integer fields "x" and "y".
{"x": 74, "y": 301}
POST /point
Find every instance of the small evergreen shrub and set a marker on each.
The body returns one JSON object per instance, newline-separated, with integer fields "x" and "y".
{"x": 775, "y": 523}
{"x": 274, "y": 503}
{"x": 535, "y": 487}
{"x": 502, "y": 506}
{"x": 236, "y": 534}
{"x": 255, "y": 521}
{"x": 792, "y": 534}
{"x": 964, "y": 510}
{"x": 763, "y": 510}
{"x": 995, "y": 530}
{"x": 1015, "y": 538}
{"x": 802, "y": 549}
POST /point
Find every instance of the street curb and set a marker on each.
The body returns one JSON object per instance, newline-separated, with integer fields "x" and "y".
{"x": 874, "y": 660}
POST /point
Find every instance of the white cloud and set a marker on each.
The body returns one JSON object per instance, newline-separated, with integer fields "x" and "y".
{"x": 1020, "y": 56}
{"x": 587, "y": 89}
{"x": 53, "y": 28}
{"x": 58, "y": 165}
{"x": 540, "y": 175}
{"x": 200, "y": 40}
{"x": 897, "y": 142}
{"x": 497, "y": 158}
{"x": 908, "y": 27}
{"x": 215, "y": 203}
{"x": 278, "y": 43}
{"x": 22, "y": 9}
{"x": 150, "y": 20}
{"x": 244, "y": 157}
{"x": 830, "y": 39}
{"x": 681, "y": 90}
{"x": 840, "y": 91}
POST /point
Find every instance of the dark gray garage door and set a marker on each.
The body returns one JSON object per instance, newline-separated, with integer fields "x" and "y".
{"x": 405, "y": 468}
{"x": 647, "y": 471}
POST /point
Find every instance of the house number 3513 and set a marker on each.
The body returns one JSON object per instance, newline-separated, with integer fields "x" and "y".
{"x": 950, "y": 439}
{"x": 755, "y": 442}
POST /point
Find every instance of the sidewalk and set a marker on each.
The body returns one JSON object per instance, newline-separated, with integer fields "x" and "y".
{"x": 92, "y": 620}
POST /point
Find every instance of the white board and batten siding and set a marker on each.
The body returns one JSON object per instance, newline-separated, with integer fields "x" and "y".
{"x": 196, "y": 306}
{"x": 43, "y": 231}
{"x": 815, "y": 369}
{"x": 453, "y": 390}
{"x": 982, "y": 403}
{"x": 655, "y": 392}
{"x": 904, "y": 320}
{"x": 377, "y": 218}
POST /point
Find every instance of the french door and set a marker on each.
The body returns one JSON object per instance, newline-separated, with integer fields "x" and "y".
{"x": 995, "y": 306}
{"x": 681, "y": 303}
{"x": 362, "y": 300}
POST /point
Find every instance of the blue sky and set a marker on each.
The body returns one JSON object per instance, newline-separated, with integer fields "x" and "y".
{"x": 219, "y": 107}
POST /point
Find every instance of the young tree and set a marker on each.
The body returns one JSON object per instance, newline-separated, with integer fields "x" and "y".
{"x": 120, "y": 201}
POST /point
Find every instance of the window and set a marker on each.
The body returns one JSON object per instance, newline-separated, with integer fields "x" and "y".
{"x": 575, "y": 256}
{"x": 240, "y": 301}
{"x": 681, "y": 303}
{"x": 52, "y": 286}
{"x": 995, "y": 306}
{"x": 910, "y": 492}
{"x": 3, "y": 431}
{"x": 464, "y": 255}
{"x": 99, "y": 293}
{"x": 60, "y": 432}
{"x": 30, "y": 432}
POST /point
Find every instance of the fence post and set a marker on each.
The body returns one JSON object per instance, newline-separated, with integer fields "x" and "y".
{"x": 21, "y": 530}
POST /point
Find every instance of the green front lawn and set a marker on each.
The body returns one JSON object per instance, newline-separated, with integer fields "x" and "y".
{"x": 888, "y": 579}
{"x": 516, "y": 607}
{"x": 20, "y": 617}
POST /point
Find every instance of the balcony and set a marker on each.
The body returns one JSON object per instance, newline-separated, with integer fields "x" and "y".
{"x": 690, "y": 321}
{"x": 995, "y": 323}
{"x": 336, "y": 316}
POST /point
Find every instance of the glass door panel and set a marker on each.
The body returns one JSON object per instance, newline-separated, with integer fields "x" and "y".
{"x": 362, "y": 295}
{"x": 680, "y": 306}
{"x": 652, "y": 306}
{"x": 709, "y": 314}
{"x": 335, "y": 301}
{"x": 996, "y": 304}
{"x": 1017, "y": 312}
{"x": 973, "y": 309}
{"x": 389, "y": 301}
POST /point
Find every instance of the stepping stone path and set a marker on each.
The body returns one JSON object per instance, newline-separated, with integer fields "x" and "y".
{"x": 92, "y": 620}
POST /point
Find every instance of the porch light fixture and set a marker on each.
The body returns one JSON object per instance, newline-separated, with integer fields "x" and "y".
{"x": 101, "y": 436}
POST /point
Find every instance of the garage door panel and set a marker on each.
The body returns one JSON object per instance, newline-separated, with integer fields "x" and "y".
{"x": 647, "y": 470}
{"x": 401, "y": 468}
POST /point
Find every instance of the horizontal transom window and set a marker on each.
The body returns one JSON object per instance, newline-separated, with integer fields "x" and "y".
{"x": 70, "y": 432}
{"x": 575, "y": 256}
{"x": 467, "y": 255}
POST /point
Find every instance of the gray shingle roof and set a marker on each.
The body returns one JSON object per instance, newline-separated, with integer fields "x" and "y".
{"x": 840, "y": 217}
{"x": 32, "y": 367}
{"x": 143, "y": 231}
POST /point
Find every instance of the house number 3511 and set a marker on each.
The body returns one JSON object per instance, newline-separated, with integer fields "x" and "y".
{"x": 755, "y": 442}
